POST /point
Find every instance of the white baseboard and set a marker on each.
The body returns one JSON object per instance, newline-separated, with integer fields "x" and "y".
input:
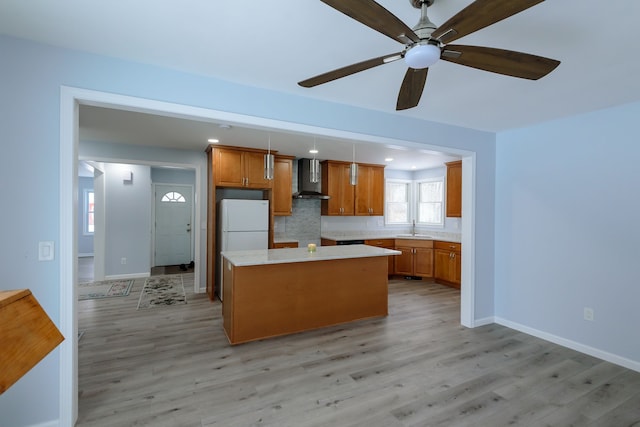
{"x": 591, "y": 351}
{"x": 482, "y": 322}
{"x": 55, "y": 423}
{"x": 127, "y": 276}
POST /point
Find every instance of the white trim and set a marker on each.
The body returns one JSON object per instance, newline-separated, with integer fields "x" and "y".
{"x": 71, "y": 97}
{"x": 468, "y": 240}
{"x": 591, "y": 351}
{"x": 484, "y": 321}
{"x": 68, "y": 403}
{"x": 53, "y": 423}
{"x": 127, "y": 276}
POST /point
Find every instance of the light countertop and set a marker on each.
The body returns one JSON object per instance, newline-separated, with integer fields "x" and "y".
{"x": 288, "y": 255}
{"x": 363, "y": 235}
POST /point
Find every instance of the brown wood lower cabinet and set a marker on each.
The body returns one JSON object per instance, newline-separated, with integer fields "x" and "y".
{"x": 387, "y": 244}
{"x": 448, "y": 263}
{"x": 281, "y": 245}
{"x": 416, "y": 258}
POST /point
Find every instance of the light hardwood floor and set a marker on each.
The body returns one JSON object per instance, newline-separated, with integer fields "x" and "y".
{"x": 172, "y": 366}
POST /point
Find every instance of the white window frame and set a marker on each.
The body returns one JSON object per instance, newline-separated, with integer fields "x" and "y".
{"x": 417, "y": 202}
{"x": 410, "y": 198}
{"x": 85, "y": 212}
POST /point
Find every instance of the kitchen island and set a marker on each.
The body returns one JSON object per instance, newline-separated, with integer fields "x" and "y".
{"x": 272, "y": 292}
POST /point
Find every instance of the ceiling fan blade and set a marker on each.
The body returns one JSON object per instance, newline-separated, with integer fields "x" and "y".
{"x": 376, "y": 17}
{"x": 480, "y": 14}
{"x": 349, "y": 69}
{"x": 507, "y": 62}
{"x": 411, "y": 89}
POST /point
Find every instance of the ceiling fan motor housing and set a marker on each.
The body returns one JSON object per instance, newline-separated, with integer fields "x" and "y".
{"x": 418, "y": 3}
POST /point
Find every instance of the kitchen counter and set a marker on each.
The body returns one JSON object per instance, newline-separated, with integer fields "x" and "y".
{"x": 372, "y": 235}
{"x": 272, "y": 292}
{"x": 287, "y": 255}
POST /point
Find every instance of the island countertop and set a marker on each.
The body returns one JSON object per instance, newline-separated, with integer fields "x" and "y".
{"x": 288, "y": 255}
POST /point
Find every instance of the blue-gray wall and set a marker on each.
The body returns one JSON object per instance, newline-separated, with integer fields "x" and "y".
{"x": 30, "y": 83}
{"x": 567, "y": 210}
{"x": 127, "y": 220}
{"x": 173, "y": 176}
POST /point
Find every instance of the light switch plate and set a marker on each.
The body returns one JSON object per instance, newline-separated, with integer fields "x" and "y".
{"x": 46, "y": 251}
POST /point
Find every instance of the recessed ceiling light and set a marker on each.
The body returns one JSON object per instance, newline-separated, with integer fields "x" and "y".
{"x": 413, "y": 167}
{"x": 213, "y": 140}
{"x": 313, "y": 151}
{"x": 389, "y": 159}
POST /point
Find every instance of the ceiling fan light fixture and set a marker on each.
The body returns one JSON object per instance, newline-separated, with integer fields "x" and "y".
{"x": 422, "y": 55}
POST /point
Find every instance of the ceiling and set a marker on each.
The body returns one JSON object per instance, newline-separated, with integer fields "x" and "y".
{"x": 275, "y": 44}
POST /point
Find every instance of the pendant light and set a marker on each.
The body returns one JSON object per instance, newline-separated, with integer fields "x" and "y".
{"x": 268, "y": 162}
{"x": 353, "y": 169}
{"x": 314, "y": 165}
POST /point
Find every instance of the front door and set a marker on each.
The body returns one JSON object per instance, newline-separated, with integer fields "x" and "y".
{"x": 173, "y": 224}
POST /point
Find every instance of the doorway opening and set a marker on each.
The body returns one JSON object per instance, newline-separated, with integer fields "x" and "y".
{"x": 72, "y": 98}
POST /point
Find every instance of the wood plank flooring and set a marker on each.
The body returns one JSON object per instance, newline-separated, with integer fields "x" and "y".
{"x": 172, "y": 366}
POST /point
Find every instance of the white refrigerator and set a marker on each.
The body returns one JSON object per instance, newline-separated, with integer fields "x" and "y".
{"x": 242, "y": 225}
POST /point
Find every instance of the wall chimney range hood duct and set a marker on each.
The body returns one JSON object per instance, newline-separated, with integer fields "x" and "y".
{"x": 306, "y": 188}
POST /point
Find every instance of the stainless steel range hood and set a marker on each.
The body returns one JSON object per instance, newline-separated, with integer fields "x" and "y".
{"x": 306, "y": 188}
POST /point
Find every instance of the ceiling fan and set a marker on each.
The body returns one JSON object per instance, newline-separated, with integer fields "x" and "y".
{"x": 426, "y": 43}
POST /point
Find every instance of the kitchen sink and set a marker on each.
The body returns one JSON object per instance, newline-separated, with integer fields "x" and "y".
{"x": 415, "y": 236}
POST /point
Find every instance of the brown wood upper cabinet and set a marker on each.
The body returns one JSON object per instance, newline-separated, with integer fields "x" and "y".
{"x": 454, "y": 189}
{"x": 335, "y": 181}
{"x": 242, "y": 168}
{"x": 282, "y": 183}
{"x": 370, "y": 190}
{"x": 365, "y": 198}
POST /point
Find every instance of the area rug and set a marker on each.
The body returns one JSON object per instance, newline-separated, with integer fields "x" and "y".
{"x": 104, "y": 289}
{"x": 162, "y": 291}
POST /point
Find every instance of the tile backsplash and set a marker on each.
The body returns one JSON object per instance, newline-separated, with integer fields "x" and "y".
{"x": 304, "y": 223}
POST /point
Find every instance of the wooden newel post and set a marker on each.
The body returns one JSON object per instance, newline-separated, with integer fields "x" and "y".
{"x": 27, "y": 335}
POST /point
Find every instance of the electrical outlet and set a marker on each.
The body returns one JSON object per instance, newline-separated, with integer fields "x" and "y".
{"x": 123, "y": 261}
{"x": 588, "y": 314}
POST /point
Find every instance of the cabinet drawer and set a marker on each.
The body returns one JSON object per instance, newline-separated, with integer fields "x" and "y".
{"x": 414, "y": 243}
{"x": 381, "y": 243}
{"x": 447, "y": 246}
{"x": 281, "y": 245}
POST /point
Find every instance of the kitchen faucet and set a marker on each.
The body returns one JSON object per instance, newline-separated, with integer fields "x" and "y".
{"x": 413, "y": 228}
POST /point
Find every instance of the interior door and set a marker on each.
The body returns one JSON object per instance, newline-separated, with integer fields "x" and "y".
{"x": 173, "y": 224}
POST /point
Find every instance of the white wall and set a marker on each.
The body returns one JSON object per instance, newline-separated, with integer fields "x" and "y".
{"x": 567, "y": 234}
{"x": 30, "y": 84}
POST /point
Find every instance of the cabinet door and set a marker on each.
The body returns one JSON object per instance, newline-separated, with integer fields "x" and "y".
{"x": 348, "y": 192}
{"x": 369, "y": 195}
{"x": 387, "y": 244}
{"x": 254, "y": 171}
{"x": 454, "y": 189}
{"x": 423, "y": 262}
{"x": 404, "y": 262}
{"x": 282, "y": 175}
{"x": 456, "y": 266}
{"x": 442, "y": 261}
{"x": 228, "y": 168}
{"x": 335, "y": 181}
{"x": 377, "y": 191}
